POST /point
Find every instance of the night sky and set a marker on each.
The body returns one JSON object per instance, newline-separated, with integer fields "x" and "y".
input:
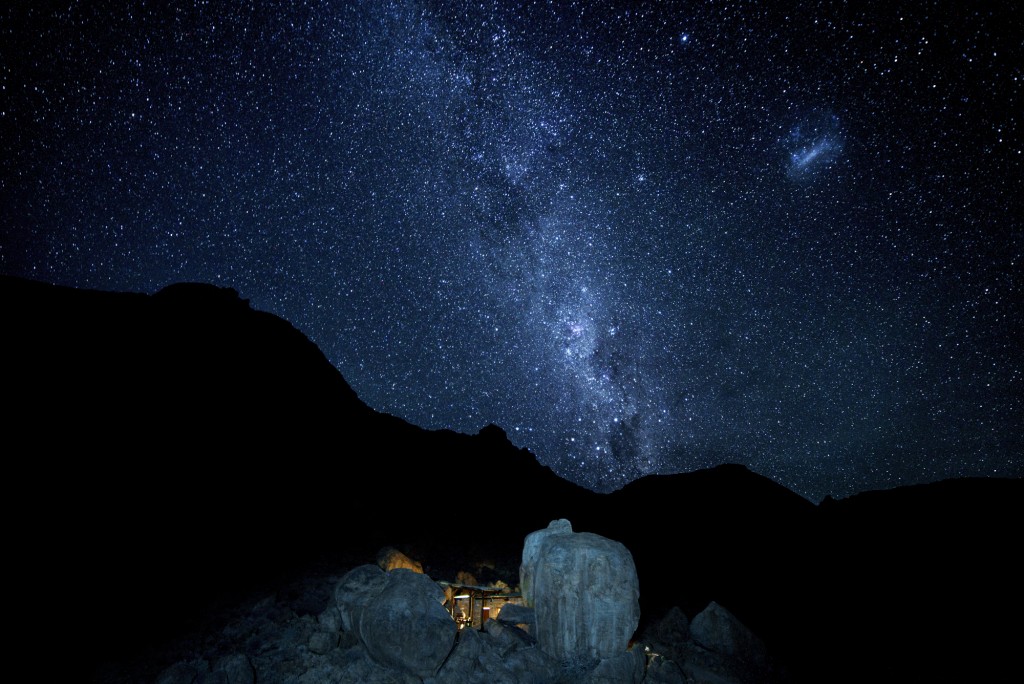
{"x": 642, "y": 237}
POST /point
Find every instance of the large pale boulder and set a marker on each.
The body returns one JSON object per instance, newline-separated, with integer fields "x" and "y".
{"x": 406, "y": 626}
{"x": 531, "y": 553}
{"x": 584, "y": 591}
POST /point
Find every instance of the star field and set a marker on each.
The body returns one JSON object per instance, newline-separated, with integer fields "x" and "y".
{"x": 642, "y": 237}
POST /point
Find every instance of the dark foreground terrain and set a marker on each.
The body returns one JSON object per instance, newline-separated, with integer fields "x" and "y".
{"x": 173, "y": 457}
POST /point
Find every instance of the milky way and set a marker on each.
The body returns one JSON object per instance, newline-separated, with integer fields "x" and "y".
{"x": 640, "y": 237}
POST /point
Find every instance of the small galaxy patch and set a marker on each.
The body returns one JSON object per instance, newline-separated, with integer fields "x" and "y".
{"x": 815, "y": 145}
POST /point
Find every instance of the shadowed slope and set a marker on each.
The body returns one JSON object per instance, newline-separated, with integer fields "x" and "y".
{"x": 168, "y": 452}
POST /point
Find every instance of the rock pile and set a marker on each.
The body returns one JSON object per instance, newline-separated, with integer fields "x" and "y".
{"x": 390, "y": 627}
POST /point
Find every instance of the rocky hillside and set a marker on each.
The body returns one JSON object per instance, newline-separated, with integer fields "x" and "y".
{"x": 170, "y": 456}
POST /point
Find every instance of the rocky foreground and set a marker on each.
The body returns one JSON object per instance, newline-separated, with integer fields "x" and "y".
{"x": 386, "y": 623}
{"x": 138, "y": 514}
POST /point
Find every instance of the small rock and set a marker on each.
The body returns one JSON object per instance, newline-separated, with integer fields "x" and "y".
{"x": 295, "y": 633}
{"x": 264, "y": 604}
{"x": 718, "y": 630}
{"x": 508, "y": 637}
{"x": 389, "y": 559}
{"x": 514, "y": 614}
{"x": 466, "y": 579}
{"x": 321, "y": 642}
{"x": 330, "y": 619}
{"x": 674, "y": 628}
{"x": 529, "y": 666}
{"x": 464, "y": 661}
{"x": 237, "y": 667}
{"x": 626, "y": 668}
{"x": 663, "y": 671}
{"x": 354, "y": 667}
{"x": 182, "y": 672}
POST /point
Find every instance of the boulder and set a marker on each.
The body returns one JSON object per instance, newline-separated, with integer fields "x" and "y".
{"x": 183, "y": 672}
{"x": 625, "y": 668}
{"x": 464, "y": 663}
{"x": 483, "y": 658}
{"x": 663, "y": 671}
{"x": 669, "y": 635}
{"x": 514, "y": 614}
{"x": 217, "y": 677}
{"x": 389, "y": 559}
{"x": 530, "y": 666}
{"x": 357, "y": 588}
{"x": 674, "y": 628}
{"x": 466, "y": 579}
{"x": 321, "y": 642}
{"x": 237, "y": 667}
{"x": 718, "y": 630}
{"x": 406, "y": 627}
{"x": 585, "y": 593}
{"x": 295, "y": 633}
{"x": 531, "y": 550}
{"x": 508, "y": 637}
{"x": 330, "y": 619}
{"x": 397, "y": 616}
{"x": 352, "y": 667}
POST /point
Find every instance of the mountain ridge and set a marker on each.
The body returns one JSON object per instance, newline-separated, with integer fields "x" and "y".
{"x": 184, "y": 446}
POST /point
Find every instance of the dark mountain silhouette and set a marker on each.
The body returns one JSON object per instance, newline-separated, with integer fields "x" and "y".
{"x": 926, "y": 579}
{"x": 182, "y": 448}
{"x": 167, "y": 453}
